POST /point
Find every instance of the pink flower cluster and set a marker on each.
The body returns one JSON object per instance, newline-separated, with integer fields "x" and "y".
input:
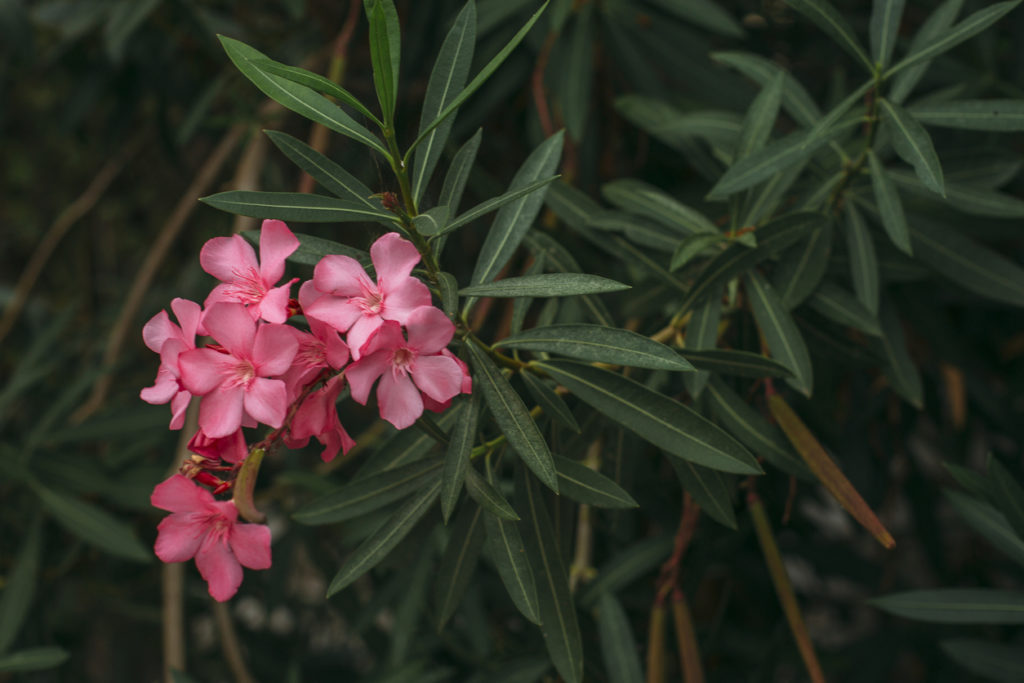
{"x": 260, "y": 369}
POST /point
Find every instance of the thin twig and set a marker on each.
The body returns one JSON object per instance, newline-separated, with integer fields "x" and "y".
{"x": 230, "y": 645}
{"x": 581, "y": 569}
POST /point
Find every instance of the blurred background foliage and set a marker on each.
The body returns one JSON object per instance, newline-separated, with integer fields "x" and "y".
{"x": 116, "y": 115}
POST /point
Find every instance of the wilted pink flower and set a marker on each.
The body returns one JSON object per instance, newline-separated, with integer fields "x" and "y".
{"x": 407, "y": 368}
{"x": 169, "y": 340}
{"x": 358, "y": 305}
{"x": 231, "y": 448}
{"x": 318, "y": 416}
{"x": 208, "y": 530}
{"x": 239, "y": 376}
{"x": 232, "y": 260}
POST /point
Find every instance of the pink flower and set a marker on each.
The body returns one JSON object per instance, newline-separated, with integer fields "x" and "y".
{"x": 322, "y": 349}
{"x": 208, "y": 530}
{"x": 358, "y": 305}
{"x": 232, "y": 260}
{"x": 466, "y": 388}
{"x": 239, "y": 376}
{"x": 231, "y": 448}
{"x": 318, "y": 417}
{"x": 169, "y": 340}
{"x": 408, "y": 368}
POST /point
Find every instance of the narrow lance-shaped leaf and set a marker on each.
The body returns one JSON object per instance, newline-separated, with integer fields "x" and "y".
{"x": 382, "y": 541}
{"x": 33, "y": 659}
{"x": 709, "y": 488}
{"x": 579, "y": 72}
{"x": 914, "y": 146}
{"x": 883, "y": 29}
{"x": 446, "y": 80}
{"x": 618, "y": 646}
{"x": 835, "y": 303}
{"x": 20, "y": 585}
{"x": 889, "y": 205}
{"x": 458, "y": 173}
{"x": 488, "y": 496}
{"x": 941, "y": 18}
{"x": 1005, "y": 116}
{"x": 512, "y": 417}
{"x": 598, "y": 343}
{"x": 803, "y": 267}
{"x": 900, "y": 368}
{"x": 456, "y": 460}
{"x": 643, "y": 199}
{"x": 956, "y": 605}
{"x": 493, "y": 204}
{"x": 733, "y": 362}
{"x": 702, "y": 333}
{"x": 822, "y": 13}
{"x": 780, "y": 332}
{"x": 990, "y": 523}
{"x": 664, "y": 422}
{"x": 318, "y": 83}
{"x": 549, "y": 400}
{"x": 297, "y": 206}
{"x": 558, "y": 621}
{"x": 93, "y": 525}
{"x": 385, "y": 54}
{"x": 760, "y": 118}
{"x": 795, "y": 99}
{"x": 704, "y": 13}
{"x": 584, "y": 485}
{"x": 863, "y": 263}
{"x": 831, "y": 120}
{"x": 827, "y": 472}
{"x": 505, "y": 547}
{"x": 458, "y": 561}
{"x": 331, "y": 176}
{"x": 985, "y": 658}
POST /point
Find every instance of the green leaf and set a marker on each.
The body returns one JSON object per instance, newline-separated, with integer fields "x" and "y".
{"x": 456, "y": 460}
{"x": 639, "y": 230}
{"x": 330, "y": 175}
{"x": 297, "y": 206}
{"x": 654, "y": 417}
{"x": 988, "y": 522}
{"x": 370, "y": 493}
{"x": 550, "y": 401}
{"x": 20, "y": 585}
{"x": 458, "y": 561}
{"x": 956, "y": 605}
{"x": 558, "y": 621}
{"x": 985, "y": 658}
{"x": 495, "y": 203}
{"x": 710, "y": 488}
{"x": 883, "y": 29}
{"x": 934, "y": 26}
{"x": 795, "y": 99}
{"x": 627, "y": 566}
{"x": 863, "y": 263}
{"x": 559, "y": 258}
{"x": 1008, "y": 495}
{"x": 458, "y": 173}
{"x": 376, "y": 546}
{"x": 951, "y": 37}
{"x": 315, "y": 81}
{"x": 488, "y": 496}
{"x": 385, "y": 54}
{"x": 677, "y": 128}
{"x": 822, "y": 13}
{"x": 446, "y": 80}
{"x": 641, "y": 260}
{"x": 702, "y": 333}
{"x": 298, "y": 98}
{"x": 449, "y": 292}
{"x": 505, "y": 548}
{"x": 431, "y": 222}
{"x": 760, "y": 118}
{"x": 803, "y": 267}
{"x": 703, "y": 13}
{"x": 33, "y": 659}
{"x": 733, "y": 362}
{"x": 978, "y": 201}
{"x": 584, "y": 485}
{"x": 618, "y": 646}
{"x": 579, "y": 72}
{"x": 835, "y": 303}
{"x": 889, "y": 205}
{"x": 995, "y": 115}
{"x": 514, "y": 219}
{"x": 545, "y": 285}
{"x": 93, "y": 525}
{"x": 478, "y": 80}
{"x": 512, "y": 417}
{"x": 900, "y": 368}
{"x": 780, "y": 332}
{"x": 693, "y": 246}
{"x": 756, "y": 432}
{"x": 834, "y": 122}
{"x": 598, "y": 343}
{"x": 914, "y": 146}
{"x": 975, "y": 482}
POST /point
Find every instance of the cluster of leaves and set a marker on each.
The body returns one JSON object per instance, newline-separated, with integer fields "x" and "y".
{"x": 785, "y": 264}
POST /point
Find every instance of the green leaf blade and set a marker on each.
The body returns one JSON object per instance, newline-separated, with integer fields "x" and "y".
{"x": 600, "y": 344}
{"x": 914, "y": 146}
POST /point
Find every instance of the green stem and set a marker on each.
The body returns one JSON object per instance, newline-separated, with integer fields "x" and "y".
{"x": 244, "y": 485}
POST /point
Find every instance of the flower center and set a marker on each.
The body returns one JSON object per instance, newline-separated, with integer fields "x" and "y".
{"x": 403, "y": 358}
{"x": 247, "y": 286}
{"x": 240, "y": 373}
{"x": 371, "y": 301}
{"x": 312, "y": 354}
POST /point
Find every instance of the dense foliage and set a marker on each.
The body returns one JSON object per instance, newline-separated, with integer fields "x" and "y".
{"x": 738, "y": 289}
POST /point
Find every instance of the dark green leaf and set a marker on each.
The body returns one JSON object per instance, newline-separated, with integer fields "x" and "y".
{"x": 889, "y": 205}
{"x": 733, "y": 362}
{"x": 1008, "y": 494}
{"x": 934, "y": 26}
{"x": 488, "y": 496}
{"x": 709, "y": 488}
{"x": 558, "y": 621}
{"x": 693, "y": 246}
{"x": 545, "y": 285}
{"x": 316, "y": 82}
{"x": 456, "y": 460}
{"x": 884, "y": 27}
{"x": 836, "y": 120}
{"x": 900, "y": 368}
{"x": 93, "y": 525}
{"x": 385, "y": 54}
{"x": 449, "y": 292}
{"x": 780, "y": 332}
{"x": 447, "y": 79}
{"x": 598, "y": 343}
{"x": 458, "y": 561}
{"x": 975, "y": 482}
{"x": 512, "y": 417}
{"x": 642, "y": 199}
{"x": 988, "y": 522}
{"x": 370, "y": 493}
{"x": 978, "y": 201}
{"x": 640, "y": 230}
{"x": 760, "y": 118}
{"x": 579, "y": 72}
{"x": 997, "y": 115}
{"x": 559, "y": 258}
{"x": 495, "y": 203}
{"x": 986, "y": 659}
{"x": 956, "y": 605}
{"x": 458, "y": 173}
{"x": 795, "y": 99}
{"x": 330, "y": 175}
{"x": 703, "y": 13}
{"x": 618, "y": 646}
{"x": 863, "y": 263}
{"x": 835, "y": 303}
{"x": 297, "y": 206}
{"x": 584, "y": 485}
{"x": 678, "y": 128}
{"x": 822, "y": 13}
{"x": 33, "y": 659}
{"x": 914, "y": 146}
{"x": 505, "y": 548}
{"x": 432, "y": 222}
{"x": 654, "y": 417}
{"x": 802, "y": 268}
{"x": 376, "y": 547}
{"x": 702, "y": 333}
{"x": 20, "y": 585}
{"x": 626, "y": 567}
{"x": 553, "y": 405}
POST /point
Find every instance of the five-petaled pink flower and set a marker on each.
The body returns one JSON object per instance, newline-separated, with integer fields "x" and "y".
{"x": 245, "y": 280}
{"x": 208, "y": 530}
{"x": 170, "y": 341}
{"x": 407, "y": 368}
{"x": 359, "y": 305}
{"x": 239, "y": 376}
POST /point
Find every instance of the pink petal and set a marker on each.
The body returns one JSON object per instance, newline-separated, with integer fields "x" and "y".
{"x": 251, "y": 545}
{"x": 232, "y": 326}
{"x": 219, "y": 567}
{"x": 274, "y": 349}
{"x": 438, "y": 377}
{"x": 429, "y": 330}
{"x": 180, "y": 494}
{"x": 158, "y": 330}
{"x": 336, "y": 350}
{"x": 202, "y": 370}
{"x": 361, "y": 333}
{"x": 341, "y": 275}
{"x": 267, "y": 401}
{"x": 231, "y": 448}
{"x": 163, "y": 389}
{"x": 388, "y": 336}
{"x": 399, "y": 401}
{"x": 277, "y": 243}
{"x": 188, "y": 314}
{"x": 364, "y": 372}
{"x": 220, "y": 412}
{"x": 333, "y": 441}
{"x": 393, "y": 258}
{"x": 179, "y": 405}
{"x": 338, "y": 313}
{"x": 179, "y": 536}
{"x": 274, "y": 306}
{"x": 222, "y": 257}
{"x": 404, "y": 297}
